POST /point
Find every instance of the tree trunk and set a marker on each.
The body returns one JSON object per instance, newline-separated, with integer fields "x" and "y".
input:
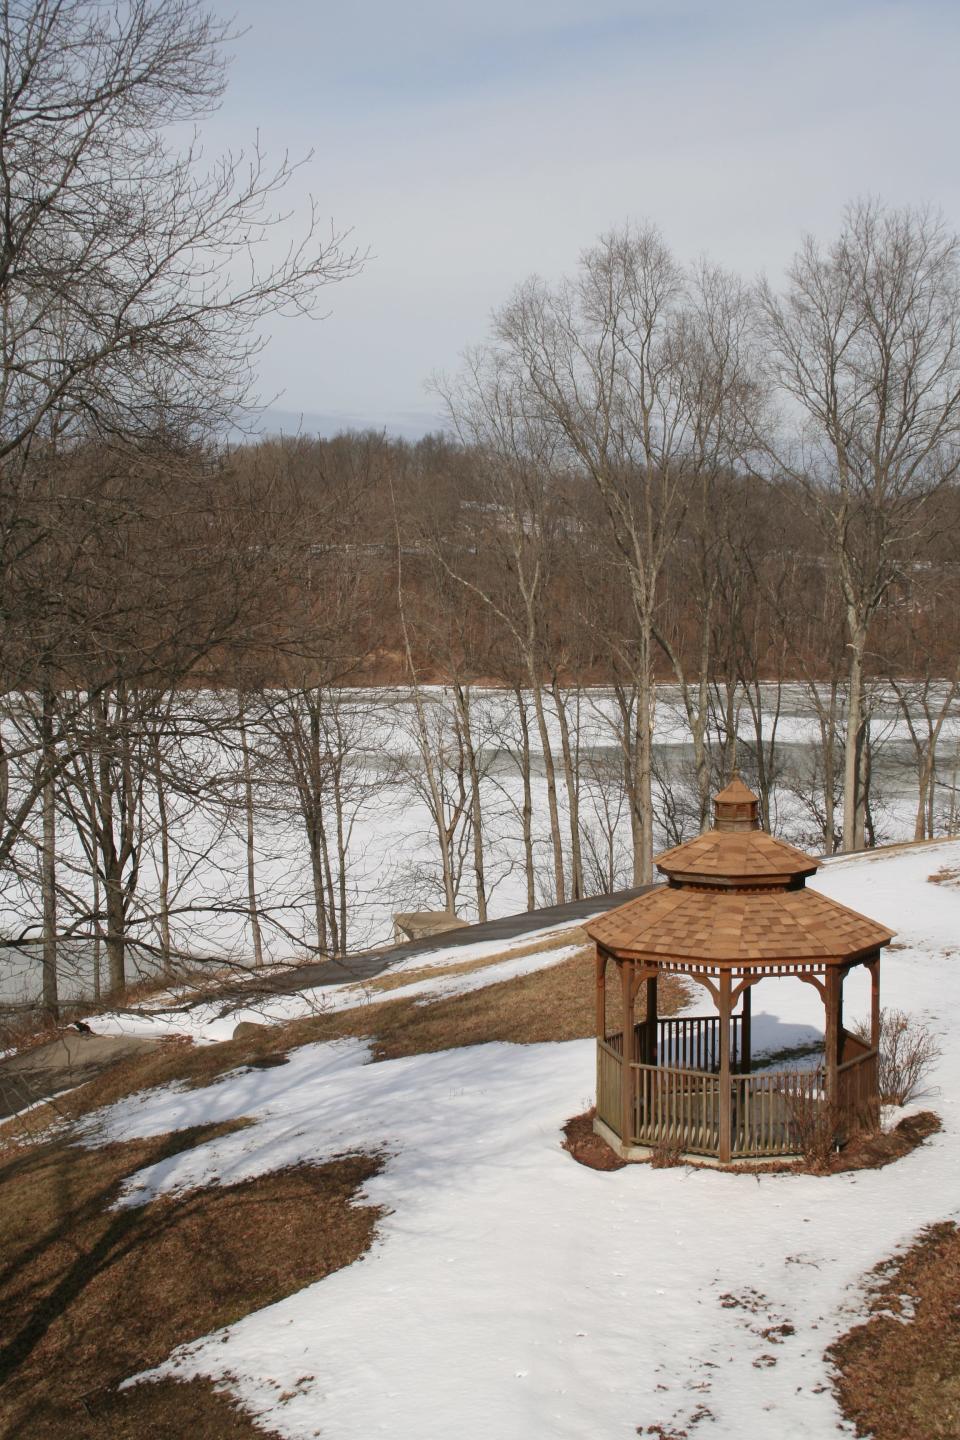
{"x": 572, "y": 783}
{"x": 341, "y": 860}
{"x": 253, "y": 911}
{"x": 558, "y": 875}
{"x": 829, "y": 734}
{"x": 462, "y": 698}
{"x": 527, "y": 815}
{"x": 853, "y": 817}
{"x": 629, "y": 737}
{"x": 164, "y": 876}
{"x": 115, "y": 942}
{"x": 924, "y": 798}
{"x": 97, "y": 934}
{"x": 51, "y": 1006}
{"x": 646, "y": 702}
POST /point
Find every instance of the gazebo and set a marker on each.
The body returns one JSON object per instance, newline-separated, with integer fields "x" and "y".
{"x": 735, "y": 911}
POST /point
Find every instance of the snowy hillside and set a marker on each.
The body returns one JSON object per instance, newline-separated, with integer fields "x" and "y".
{"x": 515, "y": 1294}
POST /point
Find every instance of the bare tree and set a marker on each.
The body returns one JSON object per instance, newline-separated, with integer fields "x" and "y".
{"x": 601, "y": 360}
{"x": 487, "y": 406}
{"x": 866, "y": 341}
{"x": 132, "y": 284}
{"x": 131, "y": 277}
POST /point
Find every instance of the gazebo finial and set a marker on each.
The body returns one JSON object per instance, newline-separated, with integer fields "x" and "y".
{"x": 735, "y": 807}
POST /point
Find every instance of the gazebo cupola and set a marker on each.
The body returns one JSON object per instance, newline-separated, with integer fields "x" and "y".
{"x": 735, "y": 911}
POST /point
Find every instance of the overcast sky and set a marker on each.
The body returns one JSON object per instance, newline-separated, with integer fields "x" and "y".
{"x": 469, "y": 145}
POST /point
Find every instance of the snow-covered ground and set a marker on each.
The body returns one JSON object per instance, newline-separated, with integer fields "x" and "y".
{"x": 512, "y": 1293}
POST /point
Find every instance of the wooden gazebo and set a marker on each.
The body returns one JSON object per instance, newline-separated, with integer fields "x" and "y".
{"x": 735, "y": 911}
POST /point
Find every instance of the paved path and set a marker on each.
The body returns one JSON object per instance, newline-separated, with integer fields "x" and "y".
{"x": 368, "y": 963}
{"x": 64, "y": 1063}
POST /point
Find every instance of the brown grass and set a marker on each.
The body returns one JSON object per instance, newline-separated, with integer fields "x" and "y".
{"x": 90, "y": 1296}
{"x": 393, "y": 980}
{"x": 899, "y": 1372}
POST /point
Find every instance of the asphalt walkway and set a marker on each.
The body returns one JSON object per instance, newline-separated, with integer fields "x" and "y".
{"x": 367, "y": 963}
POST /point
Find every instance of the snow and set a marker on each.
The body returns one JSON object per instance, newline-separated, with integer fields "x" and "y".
{"x": 210, "y": 1023}
{"x": 512, "y": 1293}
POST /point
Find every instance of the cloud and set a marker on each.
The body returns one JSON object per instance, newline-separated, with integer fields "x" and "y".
{"x": 469, "y": 146}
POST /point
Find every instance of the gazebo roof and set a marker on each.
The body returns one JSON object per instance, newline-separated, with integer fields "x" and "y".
{"x": 731, "y": 857}
{"x": 737, "y": 897}
{"x": 743, "y": 927}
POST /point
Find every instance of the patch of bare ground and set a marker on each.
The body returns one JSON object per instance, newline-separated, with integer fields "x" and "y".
{"x": 393, "y": 979}
{"x": 588, "y": 1148}
{"x": 863, "y": 1152}
{"x": 91, "y": 1295}
{"x": 946, "y": 875}
{"x": 898, "y": 1374}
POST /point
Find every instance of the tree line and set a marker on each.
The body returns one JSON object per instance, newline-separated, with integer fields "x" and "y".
{"x": 660, "y": 487}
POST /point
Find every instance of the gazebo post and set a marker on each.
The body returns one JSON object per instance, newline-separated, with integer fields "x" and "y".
{"x": 745, "y": 1058}
{"x": 601, "y": 996}
{"x": 726, "y": 1092}
{"x": 873, "y": 965}
{"x": 627, "y": 969}
{"x": 651, "y": 1022}
{"x": 831, "y": 1039}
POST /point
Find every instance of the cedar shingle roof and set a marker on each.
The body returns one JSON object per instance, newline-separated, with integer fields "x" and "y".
{"x": 750, "y": 856}
{"x": 740, "y": 927}
{"x": 737, "y": 897}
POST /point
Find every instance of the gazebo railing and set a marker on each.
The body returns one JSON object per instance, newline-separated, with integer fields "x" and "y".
{"x": 609, "y": 1069}
{"x": 676, "y": 1107}
{"x": 686, "y": 1042}
{"x": 858, "y": 1089}
{"x": 692, "y": 1042}
{"x": 769, "y": 1112}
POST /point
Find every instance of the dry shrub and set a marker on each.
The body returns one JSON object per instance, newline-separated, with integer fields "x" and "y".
{"x": 908, "y": 1050}
{"x": 666, "y": 1154}
{"x": 818, "y": 1127}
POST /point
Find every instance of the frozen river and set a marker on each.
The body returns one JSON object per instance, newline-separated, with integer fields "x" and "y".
{"x": 392, "y": 852}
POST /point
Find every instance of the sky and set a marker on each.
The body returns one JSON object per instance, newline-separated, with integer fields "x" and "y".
{"x": 466, "y": 147}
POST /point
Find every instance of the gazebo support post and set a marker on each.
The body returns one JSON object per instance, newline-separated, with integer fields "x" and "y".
{"x": 726, "y": 1092}
{"x": 650, "y": 1041}
{"x": 873, "y": 965}
{"x": 601, "y": 996}
{"x": 745, "y": 1058}
{"x": 626, "y": 1073}
{"x": 831, "y": 1040}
